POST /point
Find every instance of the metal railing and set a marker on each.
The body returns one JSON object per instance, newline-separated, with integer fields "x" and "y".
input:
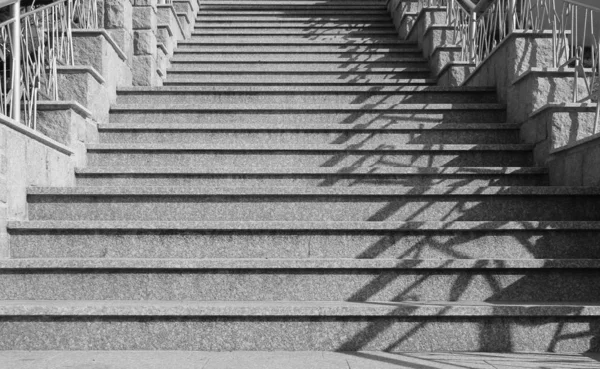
{"x": 32, "y": 46}
{"x": 479, "y": 29}
{"x": 583, "y": 51}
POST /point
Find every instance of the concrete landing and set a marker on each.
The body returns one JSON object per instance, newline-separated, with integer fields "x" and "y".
{"x": 289, "y": 360}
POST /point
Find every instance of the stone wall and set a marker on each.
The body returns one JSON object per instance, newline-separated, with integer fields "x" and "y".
{"x": 27, "y": 158}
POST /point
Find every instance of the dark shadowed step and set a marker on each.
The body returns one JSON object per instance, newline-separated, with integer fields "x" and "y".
{"x": 314, "y": 203}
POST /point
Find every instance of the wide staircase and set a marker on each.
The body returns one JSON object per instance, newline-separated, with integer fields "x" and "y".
{"x": 301, "y": 183}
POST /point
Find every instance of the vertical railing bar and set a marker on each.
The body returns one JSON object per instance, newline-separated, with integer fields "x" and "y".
{"x": 16, "y": 61}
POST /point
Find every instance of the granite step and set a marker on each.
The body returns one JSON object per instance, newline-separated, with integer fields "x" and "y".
{"x": 338, "y": 69}
{"x": 357, "y": 38}
{"x": 276, "y": 80}
{"x": 318, "y": 177}
{"x": 280, "y": 75}
{"x": 291, "y": 31}
{"x": 296, "y": 56}
{"x": 152, "y": 203}
{"x": 305, "y": 95}
{"x": 509, "y": 240}
{"x": 338, "y": 156}
{"x": 255, "y": 62}
{"x": 160, "y": 359}
{"x": 296, "y": 25}
{"x": 329, "y": 326}
{"x": 282, "y": 17}
{"x": 290, "y": 12}
{"x": 236, "y": 136}
{"x": 377, "y": 280}
{"x": 293, "y": 8}
{"x": 308, "y": 47}
{"x": 367, "y": 114}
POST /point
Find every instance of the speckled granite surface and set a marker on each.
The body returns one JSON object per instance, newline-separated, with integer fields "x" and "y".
{"x": 292, "y": 360}
{"x": 301, "y": 185}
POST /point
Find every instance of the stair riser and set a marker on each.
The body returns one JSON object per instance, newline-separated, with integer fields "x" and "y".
{"x": 307, "y": 48}
{"x": 303, "y": 285}
{"x": 352, "y": 117}
{"x": 361, "y": 39}
{"x": 395, "y": 59}
{"x": 300, "y": 77}
{"x": 249, "y": 139}
{"x": 476, "y": 244}
{"x": 309, "y": 181}
{"x": 296, "y": 68}
{"x": 311, "y": 208}
{"x": 307, "y": 159}
{"x": 309, "y": 26}
{"x": 289, "y": 334}
{"x": 292, "y": 11}
{"x": 302, "y": 18}
{"x": 316, "y": 97}
{"x": 388, "y": 32}
{"x": 251, "y": 64}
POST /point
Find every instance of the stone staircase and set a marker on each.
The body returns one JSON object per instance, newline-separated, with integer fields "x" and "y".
{"x": 301, "y": 183}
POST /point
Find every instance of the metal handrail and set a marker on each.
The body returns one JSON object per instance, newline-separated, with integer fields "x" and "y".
{"x": 5, "y": 3}
{"x": 36, "y": 43}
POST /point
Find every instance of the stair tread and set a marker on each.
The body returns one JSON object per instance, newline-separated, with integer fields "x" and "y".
{"x": 113, "y": 308}
{"x": 278, "y": 264}
{"x": 305, "y": 108}
{"x": 469, "y": 226}
{"x": 306, "y": 89}
{"x": 306, "y": 127}
{"x": 318, "y": 170}
{"x": 408, "y": 191}
{"x": 294, "y": 69}
{"x": 367, "y": 147}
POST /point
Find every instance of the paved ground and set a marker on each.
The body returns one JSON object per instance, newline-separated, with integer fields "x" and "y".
{"x": 287, "y": 360}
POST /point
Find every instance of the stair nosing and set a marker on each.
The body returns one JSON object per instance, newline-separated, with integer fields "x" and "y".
{"x": 344, "y": 171}
{"x": 305, "y": 108}
{"x": 152, "y": 265}
{"x": 224, "y": 309}
{"x": 289, "y": 191}
{"x": 295, "y": 226}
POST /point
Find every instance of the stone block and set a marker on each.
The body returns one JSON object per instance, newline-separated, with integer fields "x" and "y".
{"x": 185, "y": 24}
{"x": 541, "y": 153}
{"x": 454, "y": 74}
{"x": 16, "y": 177}
{"x": 568, "y": 127}
{"x": 65, "y": 123}
{"x": 124, "y": 39}
{"x": 573, "y": 169}
{"x": 162, "y": 60}
{"x": 36, "y": 164}
{"x": 528, "y": 50}
{"x": 97, "y": 49}
{"x": 144, "y": 43}
{"x": 591, "y": 166}
{"x": 442, "y": 56}
{"x": 144, "y": 68}
{"x": 144, "y": 18}
{"x": 538, "y": 87}
{"x": 556, "y": 170}
{"x": 164, "y": 36}
{"x": 117, "y": 14}
{"x": 436, "y": 36}
{"x": 152, "y": 3}
{"x": 166, "y": 15}
{"x": 85, "y": 86}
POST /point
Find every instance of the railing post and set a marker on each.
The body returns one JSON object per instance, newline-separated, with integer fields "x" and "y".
{"x": 512, "y": 21}
{"x": 449, "y": 7}
{"x": 472, "y": 35}
{"x": 16, "y": 61}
